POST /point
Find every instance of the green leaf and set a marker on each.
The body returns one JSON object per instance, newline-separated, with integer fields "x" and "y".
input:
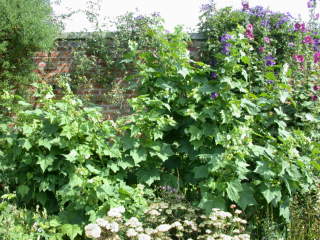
{"x": 233, "y": 189}
{"x": 23, "y": 190}
{"x": 71, "y": 230}
{"x": 45, "y": 161}
{"x": 184, "y": 72}
{"x": 45, "y": 143}
{"x": 246, "y": 197}
{"x": 285, "y": 210}
{"x": 138, "y": 155}
{"x": 72, "y": 156}
{"x": 148, "y": 176}
{"x": 201, "y": 172}
{"x": 271, "y": 194}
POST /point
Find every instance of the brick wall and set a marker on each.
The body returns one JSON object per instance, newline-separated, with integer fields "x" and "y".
{"x": 59, "y": 61}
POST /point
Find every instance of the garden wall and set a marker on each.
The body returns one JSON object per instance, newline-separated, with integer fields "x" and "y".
{"x": 60, "y": 60}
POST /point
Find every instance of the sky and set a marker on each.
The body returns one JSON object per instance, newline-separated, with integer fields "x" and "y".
{"x": 174, "y": 12}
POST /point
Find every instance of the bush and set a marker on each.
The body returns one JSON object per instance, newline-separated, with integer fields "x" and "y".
{"x": 26, "y": 27}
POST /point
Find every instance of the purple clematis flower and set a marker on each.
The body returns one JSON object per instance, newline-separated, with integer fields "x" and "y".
{"x": 269, "y": 61}
{"x": 316, "y": 57}
{"x": 214, "y": 95}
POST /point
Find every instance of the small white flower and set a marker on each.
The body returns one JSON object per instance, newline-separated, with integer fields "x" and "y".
{"x": 92, "y": 231}
{"x": 114, "y": 227}
{"x": 176, "y": 224}
{"x": 139, "y": 229}
{"x": 103, "y": 223}
{"x": 133, "y": 222}
{"x": 116, "y": 212}
{"x": 154, "y": 212}
{"x": 223, "y": 214}
{"x": 208, "y": 231}
{"x": 131, "y": 233}
{"x": 244, "y": 236}
{"x": 237, "y": 211}
{"x": 143, "y": 236}
{"x": 150, "y": 231}
{"x": 163, "y": 228}
{"x": 225, "y": 237}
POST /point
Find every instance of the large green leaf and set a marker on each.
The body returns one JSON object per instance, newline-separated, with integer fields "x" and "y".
{"x": 233, "y": 190}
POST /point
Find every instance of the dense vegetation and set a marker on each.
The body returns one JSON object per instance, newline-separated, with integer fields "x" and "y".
{"x": 214, "y": 149}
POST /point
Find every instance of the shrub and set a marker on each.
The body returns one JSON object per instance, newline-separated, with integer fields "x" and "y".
{"x": 26, "y": 27}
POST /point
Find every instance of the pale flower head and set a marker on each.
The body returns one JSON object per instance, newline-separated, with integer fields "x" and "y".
{"x": 92, "y": 231}
{"x": 237, "y": 211}
{"x": 114, "y": 227}
{"x": 133, "y": 222}
{"x": 143, "y": 236}
{"x": 163, "y": 228}
{"x": 154, "y": 212}
{"x": 103, "y": 223}
{"x": 244, "y": 236}
{"x": 131, "y": 232}
{"x": 116, "y": 212}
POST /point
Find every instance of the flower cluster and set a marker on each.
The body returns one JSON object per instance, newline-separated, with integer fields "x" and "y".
{"x": 225, "y": 44}
{"x": 249, "y": 31}
{"x": 157, "y": 223}
{"x": 270, "y": 61}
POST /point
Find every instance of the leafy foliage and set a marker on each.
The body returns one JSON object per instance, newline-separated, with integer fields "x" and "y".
{"x": 26, "y": 27}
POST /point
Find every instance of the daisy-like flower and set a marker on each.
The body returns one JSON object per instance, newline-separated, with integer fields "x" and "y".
{"x": 131, "y": 232}
{"x": 133, "y": 222}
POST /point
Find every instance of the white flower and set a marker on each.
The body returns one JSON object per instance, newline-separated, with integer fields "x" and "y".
{"x": 154, "y": 212}
{"x": 114, "y": 227}
{"x": 176, "y": 224}
{"x": 223, "y": 214}
{"x": 133, "y": 222}
{"x": 150, "y": 231}
{"x": 239, "y": 220}
{"x": 92, "y": 231}
{"x": 131, "y": 233}
{"x": 237, "y": 211}
{"x": 116, "y": 212}
{"x": 143, "y": 236}
{"x": 103, "y": 223}
{"x": 139, "y": 229}
{"x": 225, "y": 237}
{"x": 244, "y": 236}
{"x": 208, "y": 231}
{"x": 163, "y": 228}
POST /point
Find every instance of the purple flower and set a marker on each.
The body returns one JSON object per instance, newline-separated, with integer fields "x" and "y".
{"x": 265, "y": 23}
{"x": 214, "y": 95}
{"x": 258, "y": 11}
{"x": 314, "y": 98}
{"x": 300, "y": 27}
{"x": 291, "y": 44}
{"x": 205, "y": 7}
{"x": 299, "y": 58}
{"x": 245, "y": 5}
{"x": 316, "y": 87}
{"x": 261, "y": 49}
{"x": 225, "y": 37}
{"x": 316, "y": 16}
{"x": 138, "y": 18}
{"x": 155, "y": 14}
{"x": 226, "y": 48}
{"x": 213, "y": 75}
{"x": 316, "y": 57}
{"x": 308, "y": 40}
{"x": 311, "y": 4}
{"x": 213, "y": 62}
{"x": 266, "y": 40}
{"x": 270, "y": 81}
{"x": 269, "y": 61}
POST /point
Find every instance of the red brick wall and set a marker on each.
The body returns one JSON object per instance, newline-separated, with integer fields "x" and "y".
{"x": 59, "y": 61}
